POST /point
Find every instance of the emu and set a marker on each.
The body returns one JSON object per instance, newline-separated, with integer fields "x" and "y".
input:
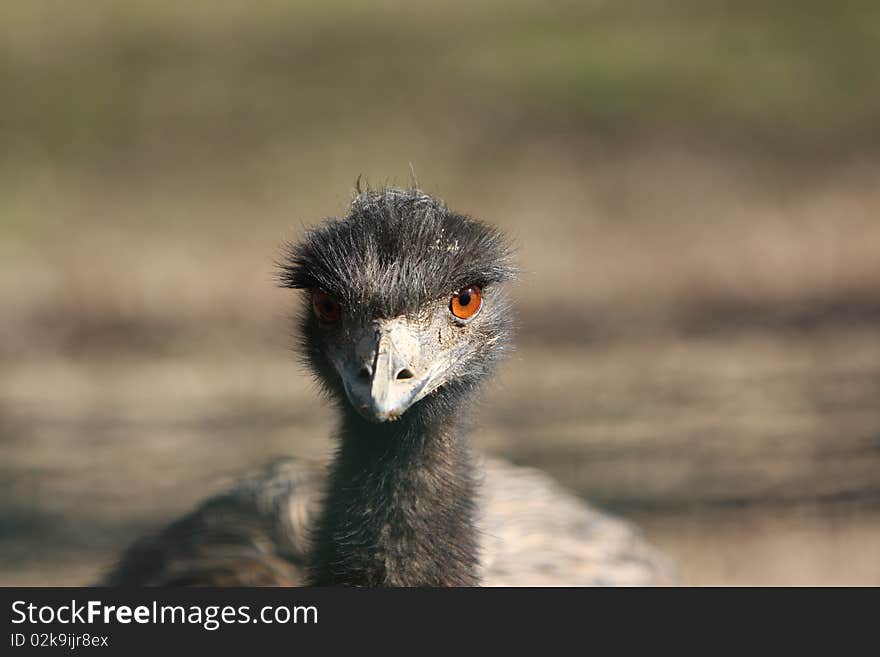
{"x": 405, "y": 316}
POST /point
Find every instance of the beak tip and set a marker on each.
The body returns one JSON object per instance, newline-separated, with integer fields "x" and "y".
{"x": 382, "y": 414}
{"x": 377, "y": 414}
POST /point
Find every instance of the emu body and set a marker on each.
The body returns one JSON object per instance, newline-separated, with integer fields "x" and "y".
{"x": 405, "y": 317}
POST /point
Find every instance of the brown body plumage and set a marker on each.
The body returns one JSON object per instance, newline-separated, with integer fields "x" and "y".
{"x": 531, "y": 533}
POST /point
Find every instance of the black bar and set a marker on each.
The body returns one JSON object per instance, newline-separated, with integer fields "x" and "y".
{"x": 315, "y": 618}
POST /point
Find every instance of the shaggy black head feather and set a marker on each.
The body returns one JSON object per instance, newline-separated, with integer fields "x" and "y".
{"x": 396, "y": 250}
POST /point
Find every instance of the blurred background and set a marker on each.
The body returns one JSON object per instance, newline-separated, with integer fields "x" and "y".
{"x": 694, "y": 188}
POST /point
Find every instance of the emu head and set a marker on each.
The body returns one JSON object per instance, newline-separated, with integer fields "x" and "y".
{"x": 404, "y": 309}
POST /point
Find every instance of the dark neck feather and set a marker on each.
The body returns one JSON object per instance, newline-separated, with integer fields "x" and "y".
{"x": 399, "y": 508}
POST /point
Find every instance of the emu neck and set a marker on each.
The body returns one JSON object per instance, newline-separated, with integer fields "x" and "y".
{"x": 399, "y": 508}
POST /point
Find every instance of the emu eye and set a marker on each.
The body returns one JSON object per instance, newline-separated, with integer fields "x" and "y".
{"x": 326, "y": 308}
{"x": 466, "y": 302}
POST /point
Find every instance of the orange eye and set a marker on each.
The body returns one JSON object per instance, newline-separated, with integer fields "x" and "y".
{"x": 466, "y": 302}
{"x": 326, "y": 308}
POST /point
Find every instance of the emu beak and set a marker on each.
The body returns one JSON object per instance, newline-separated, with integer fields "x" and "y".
{"x": 388, "y": 375}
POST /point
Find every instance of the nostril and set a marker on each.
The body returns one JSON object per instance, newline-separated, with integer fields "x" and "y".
{"x": 405, "y": 373}
{"x": 365, "y": 373}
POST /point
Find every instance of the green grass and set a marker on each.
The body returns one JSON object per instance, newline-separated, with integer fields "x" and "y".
{"x": 128, "y": 82}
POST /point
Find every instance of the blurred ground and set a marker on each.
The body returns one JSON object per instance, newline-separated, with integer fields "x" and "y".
{"x": 693, "y": 188}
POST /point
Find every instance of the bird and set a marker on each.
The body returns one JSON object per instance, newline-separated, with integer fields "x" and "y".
{"x": 405, "y": 316}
